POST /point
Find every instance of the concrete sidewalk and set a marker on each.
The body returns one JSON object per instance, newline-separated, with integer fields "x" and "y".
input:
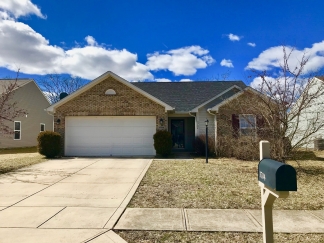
{"x": 238, "y": 220}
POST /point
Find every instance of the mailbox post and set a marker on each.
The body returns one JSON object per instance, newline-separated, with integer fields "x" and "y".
{"x": 276, "y": 179}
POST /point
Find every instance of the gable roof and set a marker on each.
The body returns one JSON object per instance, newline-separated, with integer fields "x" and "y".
{"x": 186, "y": 96}
{"x": 104, "y": 76}
{"x": 20, "y": 82}
{"x": 216, "y": 106}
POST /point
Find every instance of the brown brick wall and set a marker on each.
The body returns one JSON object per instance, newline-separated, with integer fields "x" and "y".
{"x": 240, "y": 105}
{"x": 94, "y": 102}
{"x": 229, "y": 141}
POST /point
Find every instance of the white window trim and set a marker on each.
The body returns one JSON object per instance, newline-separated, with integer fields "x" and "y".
{"x": 253, "y": 129}
{"x": 41, "y": 127}
{"x": 17, "y": 130}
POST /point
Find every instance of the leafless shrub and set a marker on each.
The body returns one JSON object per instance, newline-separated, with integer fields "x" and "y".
{"x": 9, "y": 109}
{"x": 54, "y": 84}
{"x": 200, "y": 145}
{"x": 283, "y": 107}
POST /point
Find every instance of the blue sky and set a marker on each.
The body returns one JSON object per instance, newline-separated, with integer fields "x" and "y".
{"x": 160, "y": 40}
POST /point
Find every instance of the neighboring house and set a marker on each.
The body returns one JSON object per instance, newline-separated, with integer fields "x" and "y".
{"x": 27, "y": 127}
{"x": 311, "y": 118}
{"x": 111, "y": 116}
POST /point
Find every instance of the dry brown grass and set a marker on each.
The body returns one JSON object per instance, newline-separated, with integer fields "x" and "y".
{"x": 18, "y": 150}
{"x": 202, "y": 237}
{"x": 11, "y": 162}
{"x": 223, "y": 183}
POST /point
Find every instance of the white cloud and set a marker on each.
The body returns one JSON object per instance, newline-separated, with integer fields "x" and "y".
{"x": 257, "y": 82}
{"x": 20, "y": 8}
{"x": 227, "y": 63}
{"x": 22, "y": 47}
{"x": 162, "y": 80}
{"x": 185, "y": 80}
{"x": 91, "y": 41}
{"x": 233, "y": 37}
{"x": 272, "y": 58}
{"x": 182, "y": 61}
{"x": 5, "y": 15}
{"x": 251, "y": 44}
{"x": 284, "y": 88}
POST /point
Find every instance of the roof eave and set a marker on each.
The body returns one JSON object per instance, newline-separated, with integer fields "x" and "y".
{"x": 216, "y": 107}
{"x": 217, "y": 96}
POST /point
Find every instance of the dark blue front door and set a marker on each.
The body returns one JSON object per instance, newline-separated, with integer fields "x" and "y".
{"x": 178, "y": 133}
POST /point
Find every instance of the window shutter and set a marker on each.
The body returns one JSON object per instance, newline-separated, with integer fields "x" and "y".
{"x": 235, "y": 125}
{"x": 260, "y": 124}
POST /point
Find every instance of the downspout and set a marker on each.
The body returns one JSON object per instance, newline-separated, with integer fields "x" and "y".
{"x": 196, "y": 123}
{"x": 215, "y": 122}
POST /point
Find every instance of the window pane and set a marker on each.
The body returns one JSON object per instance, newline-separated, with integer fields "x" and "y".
{"x": 247, "y": 121}
{"x": 17, "y": 134}
{"x": 248, "y": 132}
{"x": 17, "y": 125}
{"x": 42, "y": 127}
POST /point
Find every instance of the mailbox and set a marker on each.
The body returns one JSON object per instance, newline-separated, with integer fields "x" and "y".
{"x": 277, "y": 176}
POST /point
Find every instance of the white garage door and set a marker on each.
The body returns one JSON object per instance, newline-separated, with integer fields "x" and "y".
{"x": 109, "y": 135}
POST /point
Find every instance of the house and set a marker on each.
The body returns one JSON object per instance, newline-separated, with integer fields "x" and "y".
{"x": 26, "y": 128}
{"x": 112, "y": 117}
{"x": 308, "y": 125}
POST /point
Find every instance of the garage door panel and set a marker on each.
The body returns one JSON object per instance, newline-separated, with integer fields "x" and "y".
{"x": 87, "y": 151}
{"x": 95, "y": 143}
{"x": 109, "y": 136}
{"x": 88, "y": 132}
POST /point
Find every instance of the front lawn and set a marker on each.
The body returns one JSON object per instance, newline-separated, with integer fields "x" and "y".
{"x": 222, "y": 183}
{"x": 11, "y": 162}
{"x": 212, "y": 237}
{"x": 18, "y": 150}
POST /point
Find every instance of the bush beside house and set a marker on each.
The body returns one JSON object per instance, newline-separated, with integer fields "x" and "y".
{"x": 49, "y": 144}
{"x": 163, "y": 143}
{"x": 200, "y": 145}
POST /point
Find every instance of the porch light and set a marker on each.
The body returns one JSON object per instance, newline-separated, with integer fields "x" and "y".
{"x": 161, "y": 121}
{"x": 58, "y": 121}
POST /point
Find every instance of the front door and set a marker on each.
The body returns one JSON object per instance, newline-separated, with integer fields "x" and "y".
{"x": 178, "y": 133}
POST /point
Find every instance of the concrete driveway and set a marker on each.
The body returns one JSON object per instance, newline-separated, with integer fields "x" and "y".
{"x": 68, "y": 200}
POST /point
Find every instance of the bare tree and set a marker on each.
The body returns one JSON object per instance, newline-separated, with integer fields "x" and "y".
{"x": 219, "y": 77}
{"x": 9, "y": 109}
{"x": 54, "y": 84}
{"x": 288, "y": 107}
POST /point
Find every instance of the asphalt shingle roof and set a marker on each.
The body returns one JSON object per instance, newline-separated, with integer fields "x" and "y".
{"x": 185, "y": 96}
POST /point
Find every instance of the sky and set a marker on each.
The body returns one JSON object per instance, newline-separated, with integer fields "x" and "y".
{"x": 158, "y": 40}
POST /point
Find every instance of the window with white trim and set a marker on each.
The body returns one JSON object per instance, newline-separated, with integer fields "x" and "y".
{"x": 17, "y": 130}
{"x": 42, "y": 127}
{"x": 247, "y": 124}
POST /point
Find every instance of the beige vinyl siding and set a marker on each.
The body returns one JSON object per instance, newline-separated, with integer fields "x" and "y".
{"x": 307, "y": 115}
{"x": 30, "y": 98}
{"x": 202, "y": 116}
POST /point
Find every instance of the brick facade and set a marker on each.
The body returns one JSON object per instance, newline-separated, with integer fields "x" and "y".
{"x": 230, "y": 142}
{"x": 94, "y": 102}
